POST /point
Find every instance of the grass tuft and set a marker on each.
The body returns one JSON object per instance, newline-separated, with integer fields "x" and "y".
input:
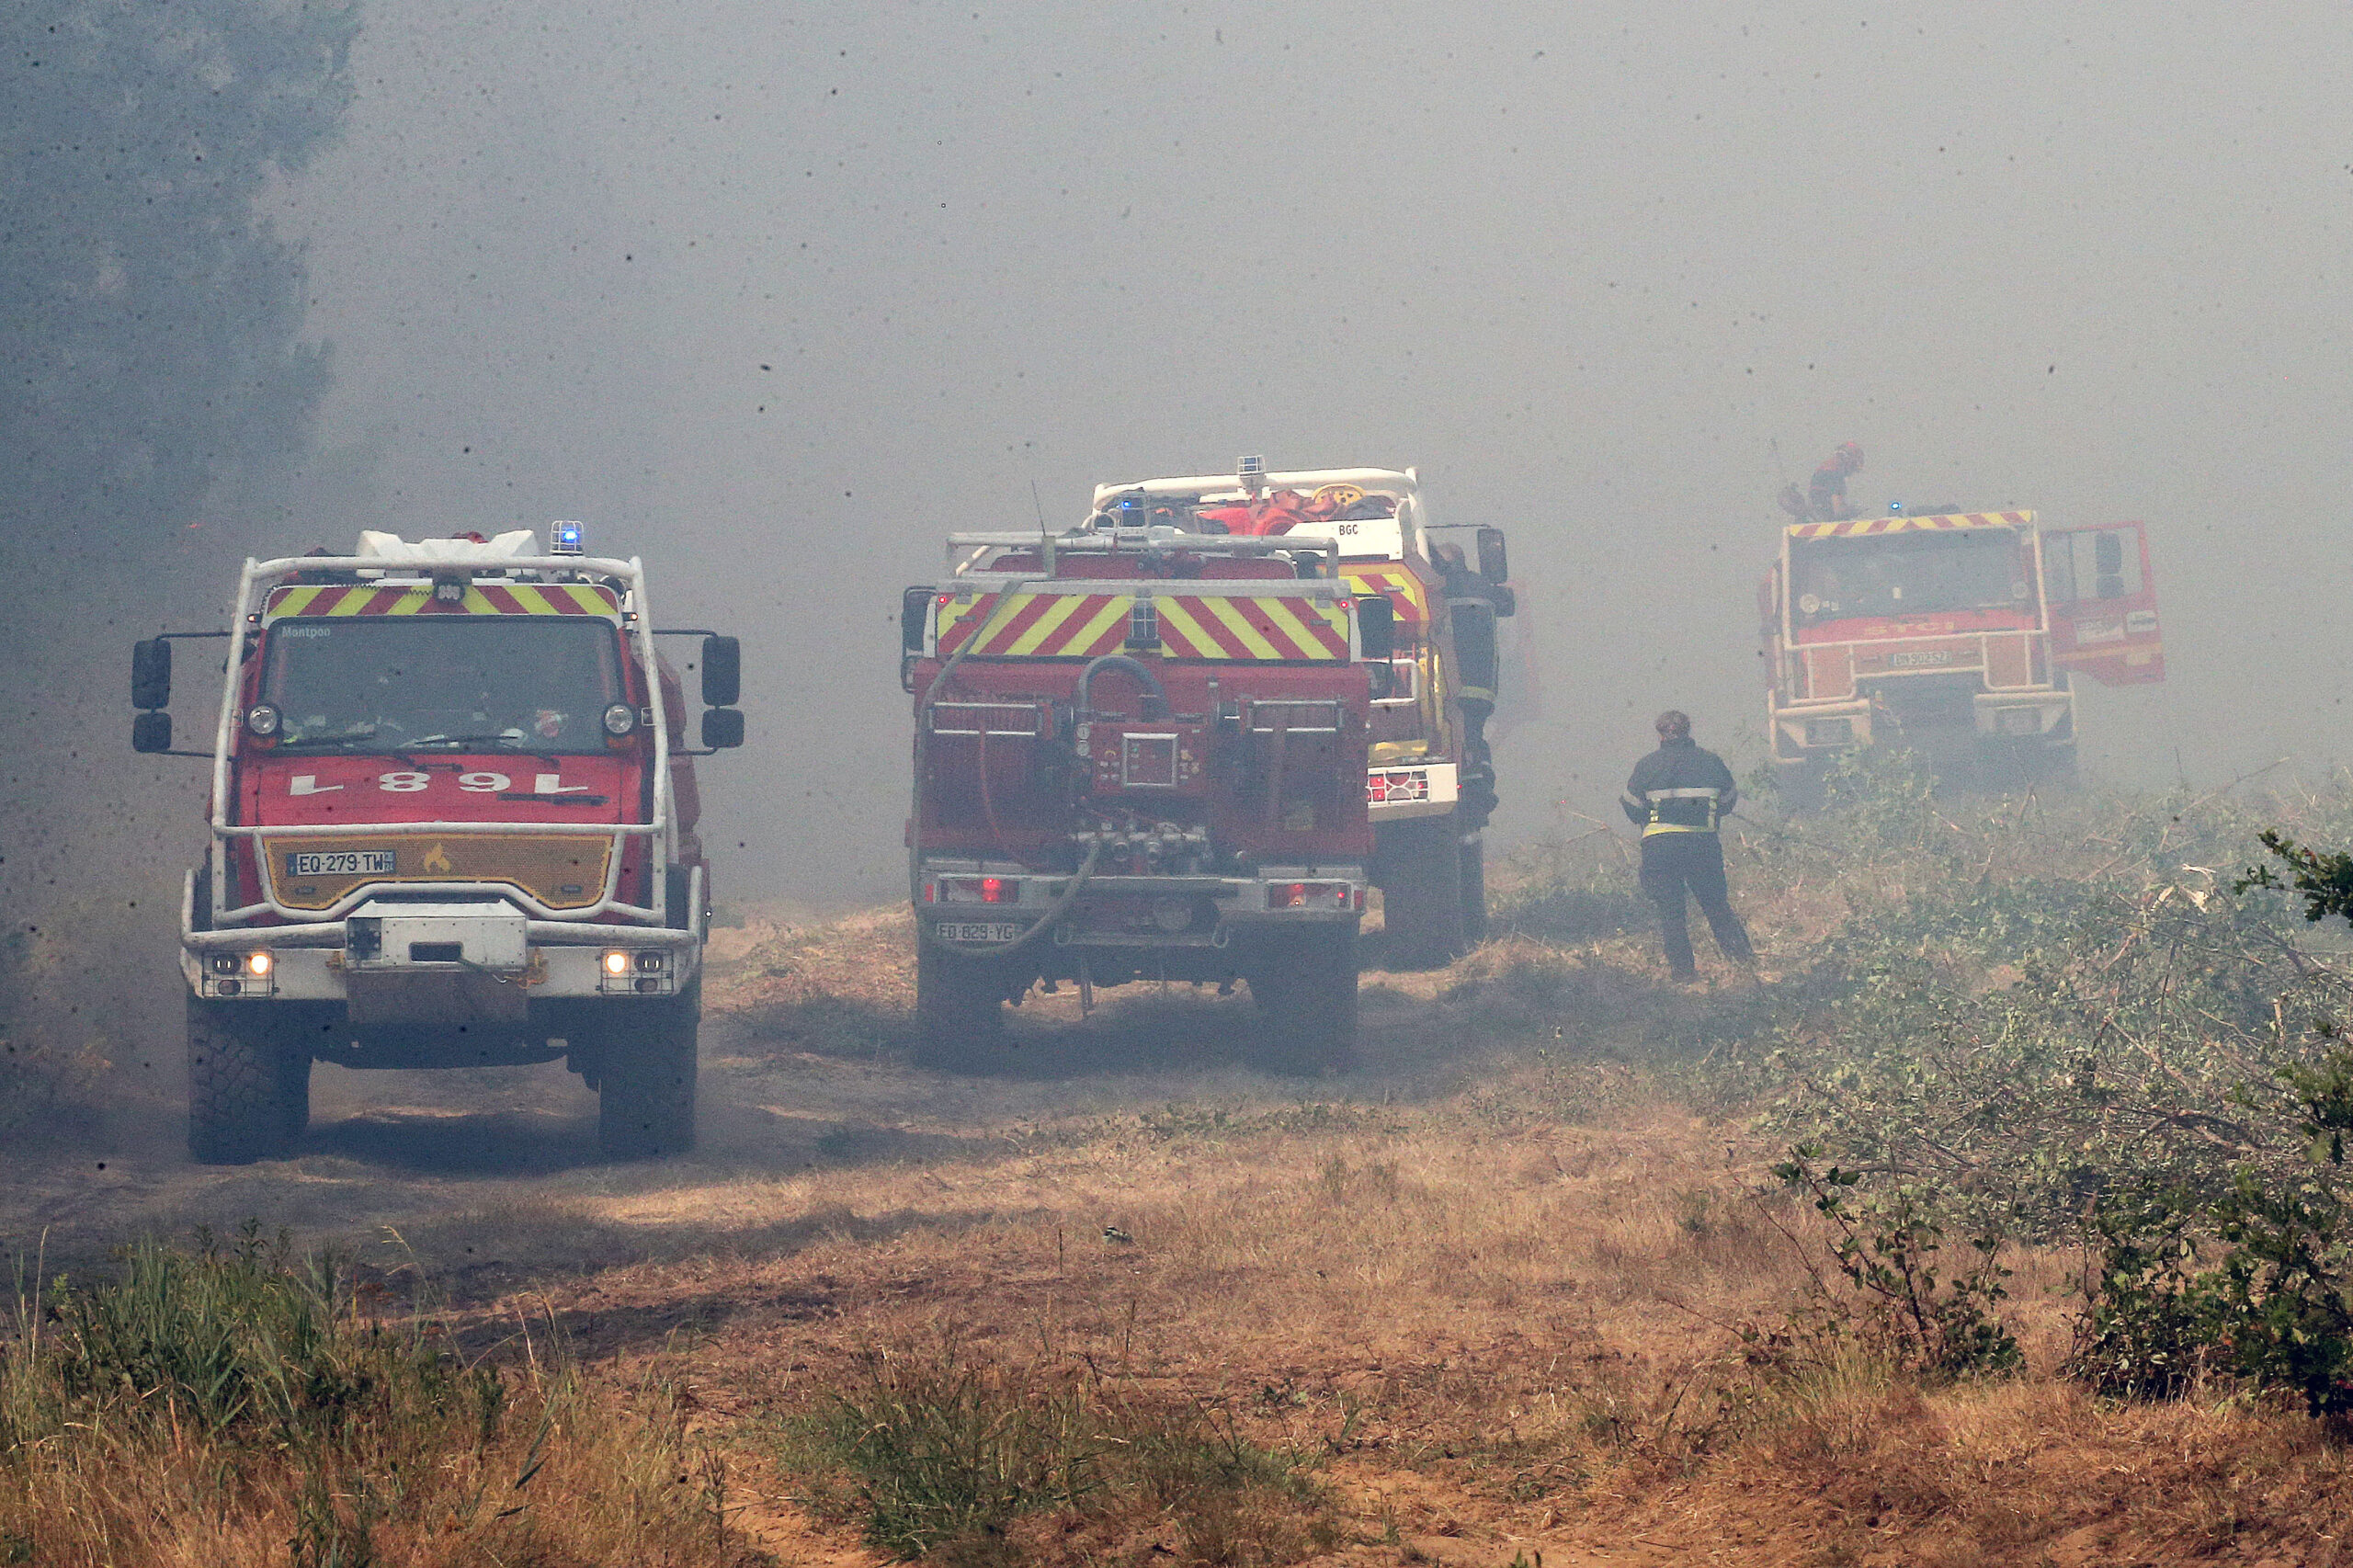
{"x": 233, "y": 1406}
{"x": 932, "y": 1449}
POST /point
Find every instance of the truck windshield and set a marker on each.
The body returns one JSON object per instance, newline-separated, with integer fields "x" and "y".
{"x": 531, "y": 683}
{"x": 1907, "y": 573}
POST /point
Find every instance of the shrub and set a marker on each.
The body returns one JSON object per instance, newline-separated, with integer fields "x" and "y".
{"x": 930, "y": 1449}
{"x": 2257, "y": 1283}
{"x": 1885, "y": 1247}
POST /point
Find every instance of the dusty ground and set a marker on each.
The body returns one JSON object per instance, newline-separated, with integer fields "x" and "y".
{"x": 1494, "y": 1282}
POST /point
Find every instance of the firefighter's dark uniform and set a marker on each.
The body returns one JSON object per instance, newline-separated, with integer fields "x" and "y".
{"x": 1677, "y": 795}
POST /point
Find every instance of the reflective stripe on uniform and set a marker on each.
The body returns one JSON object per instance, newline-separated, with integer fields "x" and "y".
{"x": 1657, "y": 802}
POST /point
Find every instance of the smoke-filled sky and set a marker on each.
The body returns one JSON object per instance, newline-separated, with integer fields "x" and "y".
{"x": 775, "y": 294}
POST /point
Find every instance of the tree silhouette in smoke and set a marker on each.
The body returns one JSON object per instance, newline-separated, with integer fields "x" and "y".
{"x": 148, "y": 317}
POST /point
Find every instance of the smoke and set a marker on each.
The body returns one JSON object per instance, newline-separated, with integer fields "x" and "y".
{"x": 155, "y": 381}
{"x": 775, "y": 295}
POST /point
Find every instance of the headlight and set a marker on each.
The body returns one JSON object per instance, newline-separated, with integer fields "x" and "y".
{"x": 619, "y": 718}
{"x": 262, "y": 719}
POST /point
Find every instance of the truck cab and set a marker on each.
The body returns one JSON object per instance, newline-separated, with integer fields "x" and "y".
{"x": 1954, "y": 634}
{"x": 452, "y": 824}
{"x": 1430, "y": 779}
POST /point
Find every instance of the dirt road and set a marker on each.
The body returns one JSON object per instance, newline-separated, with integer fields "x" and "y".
{"x": 1488, "y": 1291}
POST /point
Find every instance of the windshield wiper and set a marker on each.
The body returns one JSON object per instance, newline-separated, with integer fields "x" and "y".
{"x": 501, "y": 737}
{"x": 346, "y": 738}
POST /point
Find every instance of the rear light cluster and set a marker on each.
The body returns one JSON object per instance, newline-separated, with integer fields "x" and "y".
{"x": 973, "y": 890}
{"x": 1382, "y": 788}
{"x": 1334, "y": 896}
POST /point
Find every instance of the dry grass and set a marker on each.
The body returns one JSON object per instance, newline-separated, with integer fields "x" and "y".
{"x": 1485, "y": 1300}
{"x": 236, "y": 1411}
{"x": 1498, "y": 1304}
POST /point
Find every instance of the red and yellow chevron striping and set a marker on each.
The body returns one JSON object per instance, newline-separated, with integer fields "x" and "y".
{"x": 1905, "y": 524}
{"x": 1396, "y": 579}
{"x": 481, "y": 598}
{"x": 1263, "y": 626}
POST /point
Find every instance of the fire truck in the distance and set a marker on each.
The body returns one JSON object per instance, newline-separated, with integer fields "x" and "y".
{"x": 452, "y": 824}
{"x": 1430, "y": 782}
{"x": 1139, "y": 756}
{"x": 1954, "y": 634}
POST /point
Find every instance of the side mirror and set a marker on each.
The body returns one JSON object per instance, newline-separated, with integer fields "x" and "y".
{"x": 1495, "y": 563}
{"x": 1376, "y": 625}
{"x": 151, "y": 674}
{"x": 723, "y": 671}
{"x": 722, "y": 728}
{"x": 151, "y": 730}
{"x": 915, "y": 612}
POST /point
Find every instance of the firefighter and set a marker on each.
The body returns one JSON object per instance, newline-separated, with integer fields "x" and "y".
{"x": 1677, "y": 796}
{"x": 1477, "y": 700}
{"x": 1827, "y": 493}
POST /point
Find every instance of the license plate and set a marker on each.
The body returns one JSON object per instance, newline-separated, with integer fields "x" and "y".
{"x": 979, "y": 930}
{"x": 1918, "y": 661}
{"x": 342, "y": 863}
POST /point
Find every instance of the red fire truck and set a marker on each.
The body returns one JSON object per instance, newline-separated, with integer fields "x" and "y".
{"x": 452, "y": 824}
{"x": 1139, "y": 755}
{"x": 1956, "y": 635}
{"x": 1430, "y": 782}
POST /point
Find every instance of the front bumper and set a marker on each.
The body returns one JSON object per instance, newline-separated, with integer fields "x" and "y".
{"x": 1398, "y": 792}
{"x": 1824, "y": 729}
{"x": 397, "y": 962}
{"x": 1124, "y": 911}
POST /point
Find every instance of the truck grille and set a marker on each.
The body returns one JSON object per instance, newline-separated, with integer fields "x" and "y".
{"x": 562, "y": 871}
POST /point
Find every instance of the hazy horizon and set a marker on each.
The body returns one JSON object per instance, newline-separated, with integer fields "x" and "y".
{"x": 774, "y": 296}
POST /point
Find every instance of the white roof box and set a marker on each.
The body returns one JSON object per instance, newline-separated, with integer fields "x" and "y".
{"x": 392, "y": 547}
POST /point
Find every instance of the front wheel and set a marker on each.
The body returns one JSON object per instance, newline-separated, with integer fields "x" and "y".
{"x": 1305, "y": 987}
{"x": 248, "y": 1085}
{"x": 645, "y": 1090}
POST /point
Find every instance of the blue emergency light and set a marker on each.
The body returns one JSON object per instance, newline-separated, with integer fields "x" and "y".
{"x": 567, "y": 539}
{"x": 1895, "y": 508}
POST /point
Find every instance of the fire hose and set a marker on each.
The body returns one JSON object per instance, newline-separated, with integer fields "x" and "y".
{"x": 923, "y": 931}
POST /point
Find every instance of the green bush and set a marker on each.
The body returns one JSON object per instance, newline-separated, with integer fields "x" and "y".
{"x": 1886, "y": 1246}
{"x": 2256, "y": 1284}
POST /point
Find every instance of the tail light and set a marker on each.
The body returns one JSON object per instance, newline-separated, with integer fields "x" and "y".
{"x": 1330, "y": 896}
{"x": 977, "y": 889}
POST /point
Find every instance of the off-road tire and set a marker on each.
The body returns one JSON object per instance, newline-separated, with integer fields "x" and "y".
{"x": 1422, "y": 899}
{"x": 645, "y": 1084}
{"x": 248, "y": 1085}
{"x": 1474, "y": 890}
{"x": 1305, "y": 987}
{"x": 959, "y": 1009}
